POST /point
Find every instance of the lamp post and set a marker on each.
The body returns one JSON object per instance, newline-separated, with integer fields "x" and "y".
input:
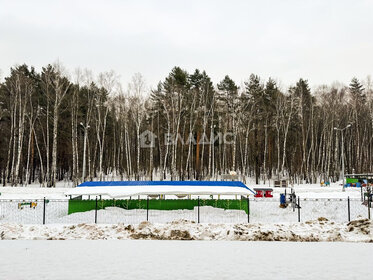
{"x": 84, "y": 149}
{"x": 343, "y": 162}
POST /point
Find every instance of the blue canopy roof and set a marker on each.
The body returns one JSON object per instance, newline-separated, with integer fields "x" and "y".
{"x": 128, "y": 188}
{"x": 163, "y": 183}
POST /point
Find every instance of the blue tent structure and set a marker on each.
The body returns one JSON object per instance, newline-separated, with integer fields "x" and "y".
{"x": 117, "y": 189}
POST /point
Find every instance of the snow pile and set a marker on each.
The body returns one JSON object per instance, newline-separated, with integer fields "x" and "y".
{"x": 316, "y": 230}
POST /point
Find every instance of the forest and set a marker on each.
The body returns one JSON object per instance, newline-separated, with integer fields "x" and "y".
{"x": 77, "y": 126}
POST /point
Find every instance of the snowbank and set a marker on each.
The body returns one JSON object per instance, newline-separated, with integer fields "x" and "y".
{"x": 319, "y": 230}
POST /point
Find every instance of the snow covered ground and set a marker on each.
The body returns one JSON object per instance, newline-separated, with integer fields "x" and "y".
{"x": 183, "y": 260}
{"x": 318, "y": 230}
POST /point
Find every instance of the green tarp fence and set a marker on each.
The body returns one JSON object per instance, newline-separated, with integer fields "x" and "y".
{"x": 351, "y": 180}
{"x": 157, "y": 204}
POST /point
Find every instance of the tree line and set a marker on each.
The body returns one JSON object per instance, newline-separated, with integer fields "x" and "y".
{"x": 79, "y": 127}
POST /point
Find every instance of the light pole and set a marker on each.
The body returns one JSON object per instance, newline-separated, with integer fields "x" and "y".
{"x": 343, "y": 162}
{"x": 84, "y": 149}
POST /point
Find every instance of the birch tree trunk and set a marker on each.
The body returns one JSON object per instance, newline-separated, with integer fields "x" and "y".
{"x": 21, "y": 129}
{"x": 61, "y": 89}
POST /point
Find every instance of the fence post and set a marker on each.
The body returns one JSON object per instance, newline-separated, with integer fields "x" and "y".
{"x": 248, "y": 209}
{"x": 369, "y": 199}
{"x": 298, "y": 209}
{"x": 293, "y": 200}
{"x": 44, "y": 211}
{"x": 198, "y": 210}
{"x": 147, "y": 208}
{"x": 348, "y": 206}
{"x": 96, "y": 212}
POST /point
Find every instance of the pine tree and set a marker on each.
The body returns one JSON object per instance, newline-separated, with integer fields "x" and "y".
{"x": 357, "y": 91}
{"x": 229, "y": 103}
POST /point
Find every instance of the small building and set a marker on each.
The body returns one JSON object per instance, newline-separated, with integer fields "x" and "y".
{"x": 281, "y": 183}
{"x": 263, "y": 192}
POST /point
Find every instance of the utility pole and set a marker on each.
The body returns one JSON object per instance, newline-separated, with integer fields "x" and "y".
{"x": 84, "y": 150}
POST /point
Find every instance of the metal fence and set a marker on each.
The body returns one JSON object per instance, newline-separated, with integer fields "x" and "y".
{"x": 52, "y": 211}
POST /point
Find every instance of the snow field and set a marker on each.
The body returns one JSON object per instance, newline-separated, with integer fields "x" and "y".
{"x": 136, "y": 259}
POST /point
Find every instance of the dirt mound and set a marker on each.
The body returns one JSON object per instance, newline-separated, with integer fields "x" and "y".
{"x": 177, "y": 234}
{"x": 361, "y": 226}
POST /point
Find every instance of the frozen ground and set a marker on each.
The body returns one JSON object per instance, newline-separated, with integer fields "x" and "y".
{"x": 318, "y": 230}
{"x": 183, "y": 260}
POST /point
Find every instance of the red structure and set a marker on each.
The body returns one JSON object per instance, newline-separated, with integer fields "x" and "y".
{"x": 263, "y": 192}
{"x": 259, "y": 193}
{"x": 268, "y": 193}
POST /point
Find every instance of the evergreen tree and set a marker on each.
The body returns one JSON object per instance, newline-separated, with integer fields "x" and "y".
{"x": 357, "y": 91}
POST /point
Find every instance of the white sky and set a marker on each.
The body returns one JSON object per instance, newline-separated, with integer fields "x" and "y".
{"x": 322, "y": 41}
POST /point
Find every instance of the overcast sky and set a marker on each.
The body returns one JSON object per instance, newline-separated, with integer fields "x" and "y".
{"x": 322, "y": 41}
